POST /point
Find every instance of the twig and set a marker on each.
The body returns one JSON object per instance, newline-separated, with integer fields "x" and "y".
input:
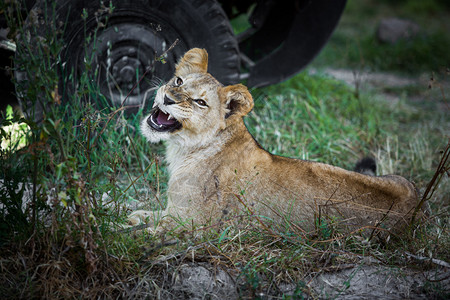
{"x": 135, "y": 228}
{"x": 159, "y": 58}
{"x": 442, "y": 168}
{"x": 253, "y": 214}
{"x": 180, "y": 253}
{"x": 351, "y": 233}
{"x": 378, "y": 223}
{"x": 433, "y": 260}
{"x": 157, "y": 247}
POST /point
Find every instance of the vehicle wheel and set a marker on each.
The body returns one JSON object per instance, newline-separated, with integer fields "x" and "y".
{"x": 129, "y": 39}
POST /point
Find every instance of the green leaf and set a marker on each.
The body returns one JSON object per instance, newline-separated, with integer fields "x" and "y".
{"x": 224, "y": 233}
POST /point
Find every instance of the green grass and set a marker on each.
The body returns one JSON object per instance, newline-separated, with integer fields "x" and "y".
{"x": 314, "y": 117}
{"x": 354, "y": 45}
{"x": 88, "y": 168}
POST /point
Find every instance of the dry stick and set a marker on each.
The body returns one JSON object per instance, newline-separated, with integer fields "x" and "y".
{"x": 219, "y": 252}
{"x": 155, "y": 248}
{"x": 214, "y": 225}
{"x": 442, "y": 168}
{"x": 436, "y": 280}
{"x": 146, "y": 225}
{"x": 350, "y": 233}
{"x": 378, "y": 223}
{"x": 320, "y": 206}
{"x": 180, "y": 253}
{"x": 159, "y": 58}
{"x": 135, "y": 228}
{"x": 433, "y": 260}
{"x": 257, "y": 218}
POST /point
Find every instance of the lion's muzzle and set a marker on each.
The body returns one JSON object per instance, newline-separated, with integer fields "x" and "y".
{"x": 161, "y": 121}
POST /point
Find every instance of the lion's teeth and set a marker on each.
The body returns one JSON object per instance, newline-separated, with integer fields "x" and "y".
{"x": 169, "y": 117}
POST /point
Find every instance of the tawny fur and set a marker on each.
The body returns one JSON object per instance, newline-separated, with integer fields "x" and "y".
{"x": 218, "y": 170}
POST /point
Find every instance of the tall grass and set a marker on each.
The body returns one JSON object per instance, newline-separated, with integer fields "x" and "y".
{"x": 82, "y": 168}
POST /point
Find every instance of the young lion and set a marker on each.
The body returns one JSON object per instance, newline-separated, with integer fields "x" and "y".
{"x": 217, "y": 169}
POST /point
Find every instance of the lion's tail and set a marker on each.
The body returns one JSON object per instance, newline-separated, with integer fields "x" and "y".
{"x": 366, "y": 166}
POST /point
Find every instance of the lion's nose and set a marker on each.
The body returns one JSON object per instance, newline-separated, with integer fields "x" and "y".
{"x": 168, "y": 101}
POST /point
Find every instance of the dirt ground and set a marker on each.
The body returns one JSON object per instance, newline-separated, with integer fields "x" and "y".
{"x": 367, "y": 280}
{"x": 382, "y": 82}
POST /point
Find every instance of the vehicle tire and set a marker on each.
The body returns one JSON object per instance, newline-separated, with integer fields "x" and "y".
{"x": 125, "y": 43}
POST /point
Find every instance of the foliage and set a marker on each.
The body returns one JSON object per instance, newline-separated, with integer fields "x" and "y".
{"x": 69, "y": 179}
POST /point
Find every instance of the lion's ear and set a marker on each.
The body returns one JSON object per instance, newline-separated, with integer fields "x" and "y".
{"x": 194, "y": 61}
{"x": 237, "y": 99}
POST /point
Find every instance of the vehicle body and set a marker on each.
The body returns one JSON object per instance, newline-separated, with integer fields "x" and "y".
{"x": 131, "y": 40}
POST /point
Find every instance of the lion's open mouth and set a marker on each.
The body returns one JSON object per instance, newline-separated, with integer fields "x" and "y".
{"x": 162, "y": 121}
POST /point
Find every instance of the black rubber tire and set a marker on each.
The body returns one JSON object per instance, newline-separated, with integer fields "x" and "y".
{"x": 150, "y": 27}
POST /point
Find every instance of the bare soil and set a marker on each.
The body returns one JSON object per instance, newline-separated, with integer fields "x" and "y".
{"x": 367, "y": 280}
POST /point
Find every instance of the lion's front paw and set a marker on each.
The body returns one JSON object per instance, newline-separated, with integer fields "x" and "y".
{"x": 140, "y": 217}
{"x": 149, "y": 220}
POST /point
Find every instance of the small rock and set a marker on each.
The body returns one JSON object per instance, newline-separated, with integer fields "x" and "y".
{"x": 392, "y": 30}
{"x": 198, "y": 282}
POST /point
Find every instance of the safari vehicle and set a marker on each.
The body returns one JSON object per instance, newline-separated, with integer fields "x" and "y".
{"x": 132, "y": 37}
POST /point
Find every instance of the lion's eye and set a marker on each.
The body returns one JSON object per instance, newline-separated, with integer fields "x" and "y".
{"x": 201, "y": 102}
{"x": 178, "y": 81}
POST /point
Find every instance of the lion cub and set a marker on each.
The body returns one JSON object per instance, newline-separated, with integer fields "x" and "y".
{"x": 217, "y": 169}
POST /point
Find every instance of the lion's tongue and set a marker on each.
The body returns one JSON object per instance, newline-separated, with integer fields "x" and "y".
{"x": 163, "y": 119}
